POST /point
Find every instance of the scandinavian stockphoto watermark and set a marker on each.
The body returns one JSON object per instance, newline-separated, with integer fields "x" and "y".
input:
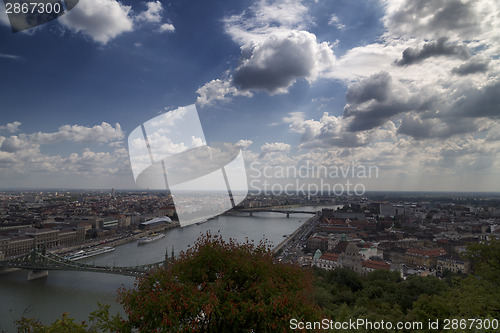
{"x": 310, "y": 179}
{"x": 170, "y": 152}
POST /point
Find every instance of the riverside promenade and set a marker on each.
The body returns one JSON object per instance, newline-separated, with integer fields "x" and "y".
{"x": 294, "y": 237}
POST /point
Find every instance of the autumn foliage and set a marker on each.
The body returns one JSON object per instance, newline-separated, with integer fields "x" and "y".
{"x": 220, "y": 286}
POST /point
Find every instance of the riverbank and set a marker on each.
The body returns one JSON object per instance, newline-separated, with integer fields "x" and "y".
{"x": 293, "y": 236}
{"x": 111, "y": 241}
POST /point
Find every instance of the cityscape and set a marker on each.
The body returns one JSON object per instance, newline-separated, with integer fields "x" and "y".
{"x": 412, "y": 233}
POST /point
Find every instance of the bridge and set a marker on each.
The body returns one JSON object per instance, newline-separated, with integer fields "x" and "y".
{"x": 39, "y": 262}
{"x": 250, "y": 211}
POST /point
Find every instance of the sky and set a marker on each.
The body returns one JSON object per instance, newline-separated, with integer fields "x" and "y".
{"x": 408, "y": 87}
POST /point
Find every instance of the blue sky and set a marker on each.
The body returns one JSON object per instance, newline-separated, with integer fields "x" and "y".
{"x": 409, "y": 87}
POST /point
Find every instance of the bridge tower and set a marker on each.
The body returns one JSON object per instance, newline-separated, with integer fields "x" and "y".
{"x": 35, "y": 273}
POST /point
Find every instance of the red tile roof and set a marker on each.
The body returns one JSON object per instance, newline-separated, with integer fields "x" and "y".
{"x": 330, "y": 256}
{"x": 374, "y": 264}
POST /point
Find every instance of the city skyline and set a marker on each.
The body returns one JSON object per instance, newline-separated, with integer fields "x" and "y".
{"x": 408, "y": 88}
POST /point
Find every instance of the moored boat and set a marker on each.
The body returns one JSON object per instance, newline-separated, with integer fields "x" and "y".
{"x": 150, "y": 238}
{"x": 86, "y": 254}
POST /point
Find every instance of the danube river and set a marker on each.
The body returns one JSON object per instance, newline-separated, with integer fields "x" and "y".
{"x": 78, "y": 292}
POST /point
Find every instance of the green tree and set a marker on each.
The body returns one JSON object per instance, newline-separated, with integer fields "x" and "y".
{"x": 485, "y": 258}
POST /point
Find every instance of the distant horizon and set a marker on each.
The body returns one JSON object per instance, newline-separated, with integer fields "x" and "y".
{"x": 250, "y": 192}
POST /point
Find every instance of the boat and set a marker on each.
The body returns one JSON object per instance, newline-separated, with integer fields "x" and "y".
{"x": 201, "y": 222}
{"x": 150, "y": 238}
{"x": 86, "y": 254}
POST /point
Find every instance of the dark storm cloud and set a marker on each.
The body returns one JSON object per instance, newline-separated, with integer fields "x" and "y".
{"x": 371, "y": 102}
{"x": 375, "y": 87}
{"x": 475, "y": 65}
{"x": 413, "y": 125}
{"x": 484, "y": 102}
{"x": 433, "y": 49}
{"x": 375, "y": 116}
{"x": 454, "y": 15}
{"x": 345, "y": 140}
{"x": 276, "y": 63}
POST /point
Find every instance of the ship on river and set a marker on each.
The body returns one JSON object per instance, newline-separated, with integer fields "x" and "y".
{"x": 90, "y": 253}
{"x": 150, "y": 238}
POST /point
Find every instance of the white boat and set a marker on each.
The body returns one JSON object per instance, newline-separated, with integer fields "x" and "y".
{"x": 150, "y": 238}
{"x": 86, "y": 254}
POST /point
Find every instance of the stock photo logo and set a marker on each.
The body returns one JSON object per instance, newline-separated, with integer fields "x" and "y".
{"x": 170, "y": 152}
{"x": 24, "y": 15}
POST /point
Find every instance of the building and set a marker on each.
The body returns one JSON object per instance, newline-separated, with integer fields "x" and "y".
{"x": 327, "y": 261}
{"x": 351, "y": 259}
{"x": 155, "y": 224}
{"x": 453, "y": 264}
{"x": 420, "y": 257}
{"x": 4, "y": 243}
{"x": 373, "y": 265}
{"x": 67, "y": 237}
{"x": 44, "y": 238}
{"x": 316, "y": 242}
{"x": 108, "y": 223}
{"x": 386, "y": 209}
{"x": 73, "y": 236}
{"x": 19, "y": 245}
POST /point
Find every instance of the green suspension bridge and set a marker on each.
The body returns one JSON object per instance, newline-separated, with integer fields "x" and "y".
{"x": 44, "y": 261}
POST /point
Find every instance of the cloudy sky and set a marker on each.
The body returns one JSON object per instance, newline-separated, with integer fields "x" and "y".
{"x": 411, "y": 87}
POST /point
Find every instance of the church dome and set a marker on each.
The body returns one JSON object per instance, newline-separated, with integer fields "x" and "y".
{"x": 352, "y": 249}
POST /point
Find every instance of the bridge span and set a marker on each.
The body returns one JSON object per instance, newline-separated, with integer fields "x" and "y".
{"x": 39, "y": 262}
{"x": 250, "y": 211}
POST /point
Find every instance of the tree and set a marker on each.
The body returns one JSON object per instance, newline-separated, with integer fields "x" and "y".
{"x": 485, "y": 258}
{"x": 220, "y": 286}
{"x": 476, "y": 296}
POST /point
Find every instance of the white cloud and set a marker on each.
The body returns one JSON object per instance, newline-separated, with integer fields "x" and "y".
{"x": 152, "y": 14}
{"x": 217, "y": 90}
{"x": 275, "y": 63}
{"x": 81, "y": 134}
{"x": 421, "y": 101}
{"x": 10, "y": 56}
{"x": 276, "y": 50}
{"x": 166, "y": 27}
{"x": 11, "y": 127}
{"x": 15, "y": 143}
{"x": 334, "y": 20}
{"x": 244, "y": 144}
{"x": 266, "y": 17}
{"x": 24, "y": 163}
{"x": 274, "y": 147}
{"x": 102, "y": 20}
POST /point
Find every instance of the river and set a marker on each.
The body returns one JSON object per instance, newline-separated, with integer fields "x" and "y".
{"x": 78, "y": 292}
